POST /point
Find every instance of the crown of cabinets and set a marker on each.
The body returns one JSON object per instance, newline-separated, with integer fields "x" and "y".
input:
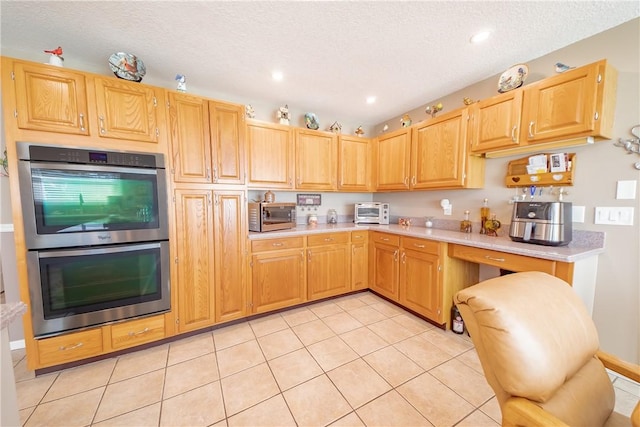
{"x": 575, "y": 104}
{"x": 429, "y": 155}
{"x": 53, "y": 99}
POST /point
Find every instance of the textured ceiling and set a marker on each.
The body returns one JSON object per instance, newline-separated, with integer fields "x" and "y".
{"x": 333, "y": 54}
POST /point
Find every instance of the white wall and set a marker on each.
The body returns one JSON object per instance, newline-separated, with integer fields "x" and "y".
{"x": 598, "y": 168}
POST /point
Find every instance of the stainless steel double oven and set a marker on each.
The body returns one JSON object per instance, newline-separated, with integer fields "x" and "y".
{"x": 97, "y": 236}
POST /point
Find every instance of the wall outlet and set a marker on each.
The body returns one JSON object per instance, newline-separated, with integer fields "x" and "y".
{"x": 614, "y": 215}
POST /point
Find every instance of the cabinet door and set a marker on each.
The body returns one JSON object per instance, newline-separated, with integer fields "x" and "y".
{"x": 277, "y": 279}
{"x": 439, "y": 152}
{"x": 270, "y": 155}
{"x": 190, "y": 143}
{"x": 359, "y": 260}
{"x": 495, "y": 122}
{"x": 230, "y": 236}
{"x": 316, "y": 159}
{"x": 420, "y": 287}
{"x": 227, "y": 139}
{"x": 126, "y": 110}
{"x": 195, "y": 266}
{"x": 393, "y": 160}
{"x": 328, "y": 271}
{"x": 50, "y": 99}
{"x": 385, "y": 270}
{"x": 561, "y": 106}
{"x": 354, "y": 163}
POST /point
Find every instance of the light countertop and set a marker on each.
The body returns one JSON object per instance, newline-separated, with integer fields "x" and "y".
{"x": 10, "y": 312}
{"x": 584, "y": 245}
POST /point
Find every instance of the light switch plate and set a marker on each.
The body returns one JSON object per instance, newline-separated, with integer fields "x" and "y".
{"x": 626, "y": 190}
{"x": 614, "y": 215}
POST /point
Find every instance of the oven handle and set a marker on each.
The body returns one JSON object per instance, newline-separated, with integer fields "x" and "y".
{"x": 99, "y": 250}
{"x": 91, "y": 168}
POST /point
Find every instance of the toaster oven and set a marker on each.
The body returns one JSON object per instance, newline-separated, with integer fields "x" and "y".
{"x": 371, "y": 213}
{"x": 271, "y": 216}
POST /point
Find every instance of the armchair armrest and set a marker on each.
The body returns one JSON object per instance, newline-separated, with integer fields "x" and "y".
{"x": 626, "y": 369}
{"x": 520, "y": 412}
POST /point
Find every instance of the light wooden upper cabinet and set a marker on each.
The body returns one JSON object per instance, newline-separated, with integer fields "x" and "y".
{"x": 354, "y": 163}
{"x": 440, "y": 158}
{"x": 495, "y": 122}
{"x": 573, "y": 104}
{"x": 269, "y": 155}
{"x": 230, "y": 238}
{"x": 50, "y": 99}
{"x": 190, "y": 141}
{"x": 393, "y": 160}
{"x": 127, "y": 110}
{"x": 316, "y": 159}
{"x": 227, "y": 138}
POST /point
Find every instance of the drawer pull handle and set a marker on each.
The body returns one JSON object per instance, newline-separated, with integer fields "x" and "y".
{"x": 384, "y": 239}
{"x": 418, "y": 246}
{"x": 513, "y": 134}
{"x": 102, "y": 129}
{"x": 357, "y": 237}
{"x": 276, "y": 244}
{"x": 494, "y": 259}
{"x": 70, "y": 347}
{"x": 142, "y": 332}
{"x": 82, "y": 128}
{"x": 328, "y": 239}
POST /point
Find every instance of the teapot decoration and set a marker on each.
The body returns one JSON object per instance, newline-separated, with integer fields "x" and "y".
{"x": 269, "y": 197}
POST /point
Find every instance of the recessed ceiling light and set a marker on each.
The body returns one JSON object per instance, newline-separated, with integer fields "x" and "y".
{"x": 480, "y": 37}
{"x": 277, "y": 76}
{"x": 371, "y": 99}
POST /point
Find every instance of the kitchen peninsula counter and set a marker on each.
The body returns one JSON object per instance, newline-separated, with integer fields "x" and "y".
{"x": 585, "y": 244}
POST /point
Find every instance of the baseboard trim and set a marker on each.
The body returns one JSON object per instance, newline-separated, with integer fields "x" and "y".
{"x": 16, "y": 345}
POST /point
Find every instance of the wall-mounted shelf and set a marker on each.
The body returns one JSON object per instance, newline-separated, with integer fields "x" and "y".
{"x": 518, "y": 176}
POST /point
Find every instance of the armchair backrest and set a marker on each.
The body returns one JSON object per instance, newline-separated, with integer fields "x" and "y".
{"x": 536, "y": 340}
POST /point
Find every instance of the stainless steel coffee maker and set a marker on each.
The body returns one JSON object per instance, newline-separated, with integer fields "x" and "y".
{"x": 542, "y": 223}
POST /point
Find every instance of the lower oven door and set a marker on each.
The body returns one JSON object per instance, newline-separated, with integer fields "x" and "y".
{"x": 76, "y": 288}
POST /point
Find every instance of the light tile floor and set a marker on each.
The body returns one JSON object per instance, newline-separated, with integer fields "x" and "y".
{"x": 352, "y": 361}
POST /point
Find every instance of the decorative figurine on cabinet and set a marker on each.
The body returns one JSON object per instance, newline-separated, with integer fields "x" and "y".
{"x": 359, "y": 131}
{"x": 56, "y": 56}
{"x": 335, "y": 127}
{"x": 283, "y": 115}
{"x": 182, "y": 82}
{"x": 433, "y": 110}
{"x": 405, "y": 121}
{"x": 311, "y": 121}
{"x": 249, "y": 112}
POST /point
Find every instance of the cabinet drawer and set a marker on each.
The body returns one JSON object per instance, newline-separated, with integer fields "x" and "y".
{"x": 276, "y": 244}
{"x": 387, "y": 239}
{"x": 502, "y": 259}
{"x": 359, "y": 236}
{"x": 136, "y": 332}
{"x": 69, "y": 347}
{"x": 327, "y": 239}
{"x": 422, "y": 245}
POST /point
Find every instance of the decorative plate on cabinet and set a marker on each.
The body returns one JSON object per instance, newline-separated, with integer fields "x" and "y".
{"x": 127, "y": 66}
{"x": 513, "y": 78}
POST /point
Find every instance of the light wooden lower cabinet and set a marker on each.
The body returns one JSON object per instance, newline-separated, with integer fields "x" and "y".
{"x": 421, "y": 283}
{"x": 136, "y": 332}
{"x": 277, "y": 275}
{"x": 385, "y": 254}
{"x": 69, "y": 347}
{"x": 328, "y": 265}
{"x": 359, "y": 260}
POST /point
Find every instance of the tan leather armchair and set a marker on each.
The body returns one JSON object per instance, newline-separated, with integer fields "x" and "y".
{"x": 539, "y": 351}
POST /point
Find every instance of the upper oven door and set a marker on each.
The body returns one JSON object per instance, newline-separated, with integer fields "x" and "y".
{"x": 66, "y": 205}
